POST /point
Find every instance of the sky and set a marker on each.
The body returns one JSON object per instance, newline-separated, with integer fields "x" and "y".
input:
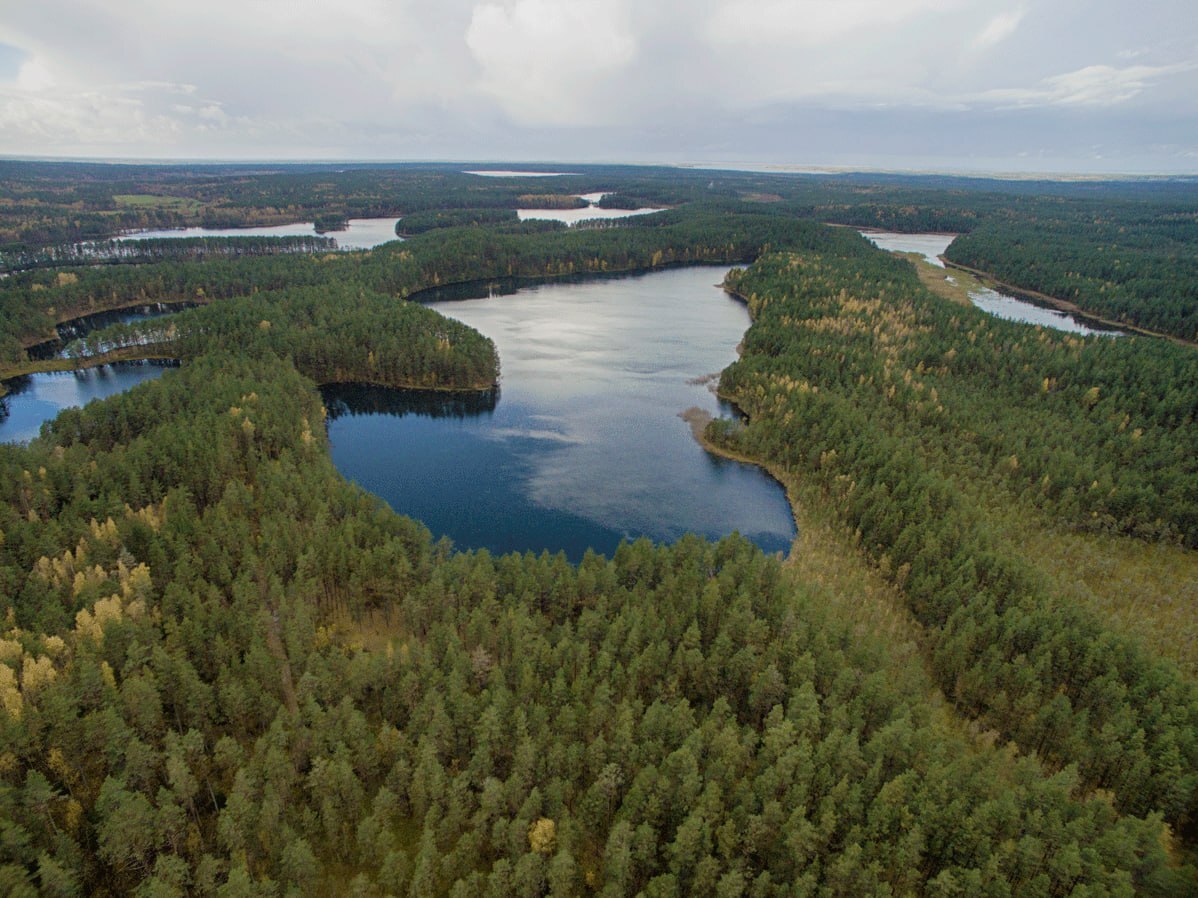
{"x": 1058, "y": 86}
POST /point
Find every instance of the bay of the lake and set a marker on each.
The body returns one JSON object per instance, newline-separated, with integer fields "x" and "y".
{"x": 37, "y": 398}
{"x": 583, "y": 446}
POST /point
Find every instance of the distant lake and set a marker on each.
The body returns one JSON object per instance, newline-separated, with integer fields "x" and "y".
{"x": 587, "y": 213}
{"x": 508, "y": 173}
{"x": 37, "y": 398}
{"x": 361, "y": 233}
{"x": 583, "y": 445}
{"x": 1000, "y": 305}
{"x": 930, "y": 246}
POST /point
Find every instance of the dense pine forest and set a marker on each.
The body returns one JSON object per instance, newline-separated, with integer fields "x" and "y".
{"x": 225, "y": 671}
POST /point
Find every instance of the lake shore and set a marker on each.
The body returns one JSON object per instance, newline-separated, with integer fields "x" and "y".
{"x": 698, "y": 419}
{"x": 1062, "y": 305}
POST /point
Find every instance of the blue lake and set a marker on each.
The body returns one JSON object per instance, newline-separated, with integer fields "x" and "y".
{"x": 583, "y": 445}
{"x": 39, "y": 397}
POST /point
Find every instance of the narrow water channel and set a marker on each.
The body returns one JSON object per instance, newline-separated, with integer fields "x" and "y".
{"x": 1000, "y": 305}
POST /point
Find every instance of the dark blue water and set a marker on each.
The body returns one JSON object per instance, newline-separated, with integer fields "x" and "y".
{"x": 583, "y": 446}
{"x": 39, "y": 397}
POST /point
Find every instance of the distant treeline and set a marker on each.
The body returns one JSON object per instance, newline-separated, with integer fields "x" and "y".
{"x": 420, "y": 222}
{"x": 32, "y": 302}
{"x": 1119, "y": 249}
{"x": 550, "y": 201}
{"x": 159, "y": 249}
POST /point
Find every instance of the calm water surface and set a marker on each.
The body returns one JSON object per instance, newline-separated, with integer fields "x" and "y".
{"x": 583, "y": 446}
{"x": 930, "y": 246}
{"x": 507, "y": 173}
{"x": 587, "y": 213}
{"x": 37, "y": 398}
{"x": 1000, "y": 305}
{"x": 361, "y": 233}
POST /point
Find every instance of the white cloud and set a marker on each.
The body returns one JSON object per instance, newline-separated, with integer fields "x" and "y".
{"x": 545, "y": 61}
{"x": 600, "y": 78}
{"x": 35, "y": 76}
{"x": 998, "y": 29}
{"x": 167, "y": 86}
{"x": 78, "y": 119}
{"x": 1094, "y": 85}
{"x": 808, "y": 22}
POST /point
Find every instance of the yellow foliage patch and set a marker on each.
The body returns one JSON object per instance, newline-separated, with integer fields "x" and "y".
{"x": 10, "y": 695}
{"x": 90, "y": 624}
{"x": 10, "y": 651}
{"x": 151, "y": 515}
{"x": 542, "y": 836}
{"x": 36, "y": 673}
{"x": 104, "y": 533}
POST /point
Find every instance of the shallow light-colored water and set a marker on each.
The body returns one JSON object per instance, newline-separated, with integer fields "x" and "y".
{"x": 1003, "y": 306}
{"x": 930, "y": 246}
{"x": 587, "y": 213}
{"x": 504, "y": 173}
{"x": 1000, "y": 305}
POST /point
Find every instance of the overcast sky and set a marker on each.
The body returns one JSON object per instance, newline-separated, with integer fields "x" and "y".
{"x": 985, "y": 85}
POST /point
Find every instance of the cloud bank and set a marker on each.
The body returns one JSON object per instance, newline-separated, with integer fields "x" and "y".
{"x": 893, "y": 83}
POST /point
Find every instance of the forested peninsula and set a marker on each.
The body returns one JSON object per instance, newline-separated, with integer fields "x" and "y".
{"x": 226, "y": 671}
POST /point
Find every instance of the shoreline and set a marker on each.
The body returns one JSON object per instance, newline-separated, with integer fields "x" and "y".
{"x": 66, "y": 366}
{"x": 869, "y": 229}
{"x": 698, "y": 419}
{"x": 28, "y": 342}
{"x": 156, "y": 353}
{"x": 1064, "y": 305}
{"x": 126, "y": 354}
{"x": 520, "y": 282}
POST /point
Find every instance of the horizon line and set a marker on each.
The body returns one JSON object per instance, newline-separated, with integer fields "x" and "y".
{"x": 766, "y": 168}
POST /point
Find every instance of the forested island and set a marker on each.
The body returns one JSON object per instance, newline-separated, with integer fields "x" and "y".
{"x": 226, "y": 671}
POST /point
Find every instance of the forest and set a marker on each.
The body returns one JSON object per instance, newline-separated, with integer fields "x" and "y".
{"x": 148, "y": 250}
{"x": 907, "y": 411}
{"x": 226, "y": 671}
{"x": 1121, "y": 250}
{"x": 1145, "y": 274}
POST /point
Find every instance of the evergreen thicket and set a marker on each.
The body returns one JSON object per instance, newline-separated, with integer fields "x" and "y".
{"x": 912, "y": 414}
{"x": 228, "y": 672}
{"x": 225, "y": 671}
